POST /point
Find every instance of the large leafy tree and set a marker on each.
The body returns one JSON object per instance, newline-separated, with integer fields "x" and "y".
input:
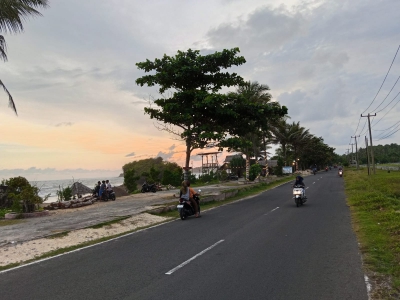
{"x": 12, "y": 13}
{"x": 256, "y": 111}
{"x": 193, "y": 110}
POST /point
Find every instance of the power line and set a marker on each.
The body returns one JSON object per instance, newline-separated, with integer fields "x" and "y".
{"x": 388, "y": 110}
{"x": 389, "y": 102}
{"x": 387, "y": 95}
{"x": 386, "y": 128}
{"x": 383, "y": 81}
{"x": 389, "y": 135}
{"x": 383, "y": 133}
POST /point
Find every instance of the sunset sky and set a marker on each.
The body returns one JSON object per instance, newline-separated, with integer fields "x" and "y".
{"x": 72, "y": 75}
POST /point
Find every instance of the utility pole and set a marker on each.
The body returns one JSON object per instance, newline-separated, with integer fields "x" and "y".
{"x": 352, "y": 154}
{"x": 355, "y": 139}
{"x": 348, "y": 155}
{"x": 370, "y": 140}
{"x": 366, "y": 150}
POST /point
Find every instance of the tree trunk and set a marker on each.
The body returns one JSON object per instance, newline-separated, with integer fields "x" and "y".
{"x": 247, "y": 167}
{"x": 187, "y": 160}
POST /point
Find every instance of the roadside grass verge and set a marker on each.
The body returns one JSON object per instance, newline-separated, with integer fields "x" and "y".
{"x": 6, "y": 222}
{"x": 251, "y": 190}
{"x": 375, "y": 205}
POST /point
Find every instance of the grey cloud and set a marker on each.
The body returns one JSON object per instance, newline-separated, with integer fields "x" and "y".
{"x": 64, "y": 124}
{"x": 266, "y": 29}
{"x": 172, "y": 147}
{"x": 130, "y": 154}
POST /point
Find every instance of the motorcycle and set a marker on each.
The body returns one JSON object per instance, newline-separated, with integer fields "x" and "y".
{"x": 298, "y": 195}
{"x": 108, "y": 195}
{"x": 314, "y": 171}
{"x": 148, "y": 188}
{"x": 340, "y": 173}
{"x": 326, "y": 169}
{"x": 186, "y": 209}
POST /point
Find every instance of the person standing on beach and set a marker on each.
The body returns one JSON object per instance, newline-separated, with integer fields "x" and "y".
{"x": 102, "y": 188}
{"x": 97, "y": 190}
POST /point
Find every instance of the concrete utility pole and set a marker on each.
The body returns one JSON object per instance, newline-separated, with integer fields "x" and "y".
{"x": 352, "y": 154}
{"x": 366, "y": 150}
{"x": 370, "y": 140}
{"x": 355, "y": 138}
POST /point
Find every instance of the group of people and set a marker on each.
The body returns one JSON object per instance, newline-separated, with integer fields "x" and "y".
{"x": 187, "y": 194}
{"x": 102, "y": 187}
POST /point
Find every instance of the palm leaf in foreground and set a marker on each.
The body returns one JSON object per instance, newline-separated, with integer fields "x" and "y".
{"x": 10, "y": 98}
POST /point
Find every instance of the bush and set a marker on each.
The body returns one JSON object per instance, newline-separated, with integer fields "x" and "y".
{"x": 64, "y": 194}
{"x": 255, "y": 170}
{"x": 173, "y": 178}
{"x": 24, "y": 196}
{"x": 130, "y": 180}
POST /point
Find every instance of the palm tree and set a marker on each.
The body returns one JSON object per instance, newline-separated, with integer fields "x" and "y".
{"x": 12, "y": 13}
{"x": 254, "y": 142}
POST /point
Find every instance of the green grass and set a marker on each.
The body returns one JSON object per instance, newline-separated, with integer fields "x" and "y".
{"x": 100, "y": 225}
{"x": 6, "y": 222}
{"x": 375, "y": 205}
{"x": 244, "y": 192}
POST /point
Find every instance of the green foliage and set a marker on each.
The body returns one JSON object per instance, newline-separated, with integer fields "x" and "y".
{"x": 64, "y": 194}
{"x": 156, "y": 170}
{"x": 194, "y": 105}
{"x": 255, "y": 170}
{"x": 389, "y": 153}
{"x": 24, "y": 196}
{"x": 223, "y": 175}
{"x": 173, "y": 178}
{"x": 130, "y": 180}
{"x": 375, "y": 206}
{"x": 3, "y": 212}
{"x": 278, "y": 169}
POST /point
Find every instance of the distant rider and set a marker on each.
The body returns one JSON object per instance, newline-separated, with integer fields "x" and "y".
{"x": 299, "y": 182}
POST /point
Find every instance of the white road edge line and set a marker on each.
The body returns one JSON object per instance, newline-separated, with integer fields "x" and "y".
{"x": 271, "y": 211}
{"x": 194, "y": 257}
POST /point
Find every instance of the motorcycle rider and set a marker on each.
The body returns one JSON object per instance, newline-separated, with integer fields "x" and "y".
{"x": 185, "y": 194}
{"x": 299, "y": 182}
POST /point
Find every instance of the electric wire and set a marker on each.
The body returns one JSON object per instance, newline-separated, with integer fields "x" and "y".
{"x": 386, "y": 128}
{"x": 383, "y": 133}
{"x": 387, "y": 95}
{"x": 383, "y": 81}
{"x": 389, "y": 110}
{"x": 389, "y": 102}
{"x": 385, "y": 137}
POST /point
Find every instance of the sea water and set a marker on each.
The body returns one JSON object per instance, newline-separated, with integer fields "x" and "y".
{"x": 52, "y": 186}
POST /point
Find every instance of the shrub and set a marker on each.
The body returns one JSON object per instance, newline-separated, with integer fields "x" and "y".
{"x": 24, "y": 196}
{"x": 130, "y": 180}
{"x": 255, "y": 170}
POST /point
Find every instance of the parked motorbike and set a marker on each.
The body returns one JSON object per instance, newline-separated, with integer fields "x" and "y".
{"x": 340, "y": 173}
{"x": 148, "y": 188}
{"x": 108, "y": 195}
{"x": 298, "y": 195}
{"x": 186, "y": 209}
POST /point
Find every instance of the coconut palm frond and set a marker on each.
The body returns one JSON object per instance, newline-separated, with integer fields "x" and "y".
{"x": 3, "y": 48}
{"x": 10, "y": 98}
{"x": 13, "y": 12}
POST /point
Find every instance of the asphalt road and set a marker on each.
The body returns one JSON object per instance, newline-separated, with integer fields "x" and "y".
{"x": 260, "y": 248}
